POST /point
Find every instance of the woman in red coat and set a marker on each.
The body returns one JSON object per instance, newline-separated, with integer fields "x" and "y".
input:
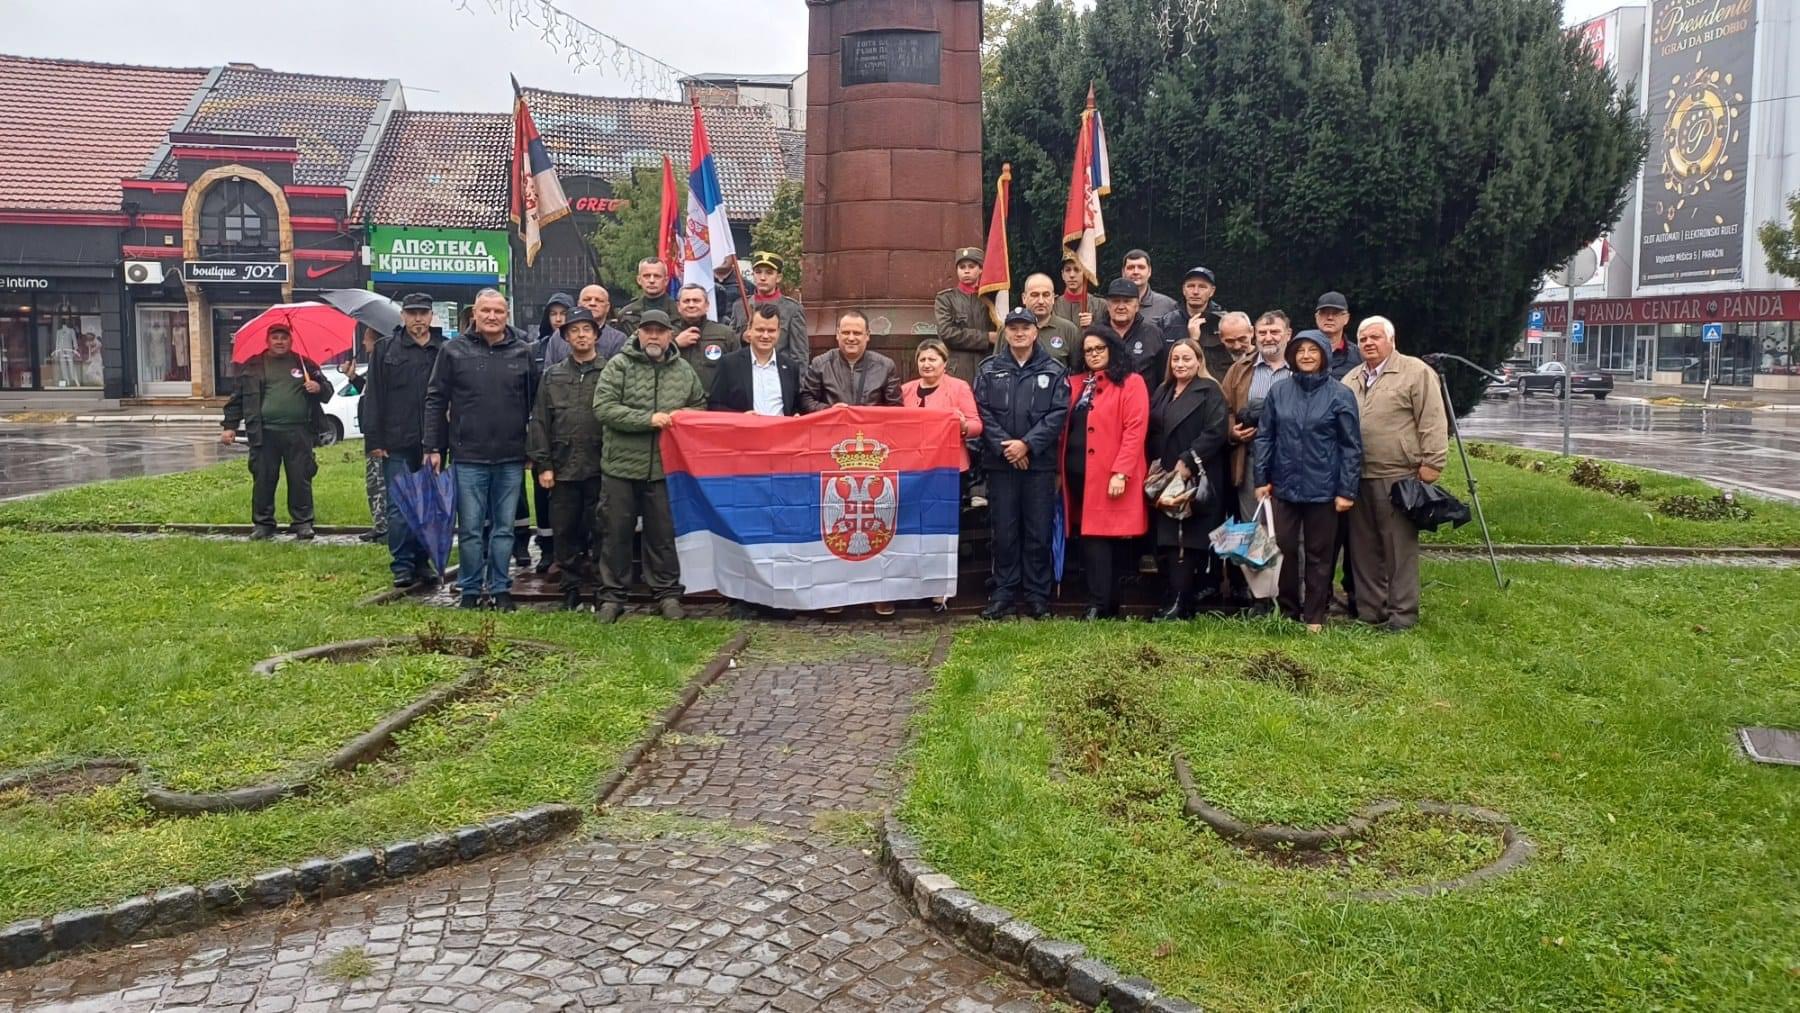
{"x": 1103, "y": 465}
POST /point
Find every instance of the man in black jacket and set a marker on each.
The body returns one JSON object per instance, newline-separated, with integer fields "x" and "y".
{"x": 477, "y": 406}
{"x": 279, "y": 398}
{"x": 394, "y": 431}
{"x": 761, "y": 378}
{"x": 1143, "y": 338}
{"x": 1022, "y": 395}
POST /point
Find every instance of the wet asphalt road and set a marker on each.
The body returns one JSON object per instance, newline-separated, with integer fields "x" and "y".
{"x": 1756, "y": 452}
{"x": 37, "y": 457}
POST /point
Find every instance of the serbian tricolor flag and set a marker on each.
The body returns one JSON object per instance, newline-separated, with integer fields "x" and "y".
{"x": 1084, "y": 229}
{"x": 669, "y": 225}
{"x": 996, "y": 267}
{"x": 708, "y": 241}
{"x": 537, "y": 195}
{"x": 841, "y": 507}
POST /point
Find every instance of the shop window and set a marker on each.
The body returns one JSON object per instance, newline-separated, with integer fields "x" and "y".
{"x": 18, "y": 367}
{"x": 69, "y": 338}
{"x": 1780, "y": 349}
{"x": 1614, "y": 348}
{"x": 238, "y": 218}
{"x": 162, "y": 349}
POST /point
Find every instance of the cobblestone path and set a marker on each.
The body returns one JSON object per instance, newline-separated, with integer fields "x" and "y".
{"x": 717, "y": 884}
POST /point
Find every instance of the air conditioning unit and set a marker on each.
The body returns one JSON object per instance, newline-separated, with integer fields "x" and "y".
{"x": 143, "y": 272}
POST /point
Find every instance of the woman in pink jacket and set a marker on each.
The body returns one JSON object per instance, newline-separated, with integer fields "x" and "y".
{"x": 937, "y": 389}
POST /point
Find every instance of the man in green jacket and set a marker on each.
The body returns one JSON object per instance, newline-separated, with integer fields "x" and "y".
{"x": 279, "y": 400}
{"x": 637, "y": 397}
{"x": 653, "y": 294}
{"x": 700, "y": 341}
{"x": 963, "y": 320}
{"x": 563, "y": 443}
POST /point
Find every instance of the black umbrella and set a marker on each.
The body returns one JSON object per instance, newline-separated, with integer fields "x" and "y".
{"x": 376, "y": 312}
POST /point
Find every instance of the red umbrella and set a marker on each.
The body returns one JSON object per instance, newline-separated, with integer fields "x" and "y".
{"x": 320, "y": 331}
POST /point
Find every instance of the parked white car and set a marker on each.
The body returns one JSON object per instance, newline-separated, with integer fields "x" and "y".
{"x": 340, "y": 411}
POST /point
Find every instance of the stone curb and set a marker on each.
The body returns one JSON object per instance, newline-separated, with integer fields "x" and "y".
{"x": 182, "y": 908}
{"x": 724, "y": 660}
{"x": 171, "y": 527}
{"x": 1019, "y": 948}
{"x": 1618, "y": 551}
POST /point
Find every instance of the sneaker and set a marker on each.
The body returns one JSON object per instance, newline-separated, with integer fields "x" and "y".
{"x": 1037, "y": 610}
{"x": 670, "y": 608}
{"x": 303, "y": 532}
{"x": 608, "y": 612}
{"x": 262, "y": 533}
{"x": 372, "y": 536}
{"x": 503, "y": 602}
{"x": 469, "y": 601}
{"x": 405, "y": 580}
{"x": 978, "y": 502}
{"x": 571, "y": 599}
{"x": 997, "y": 610}
{"x": 884, "y": 608}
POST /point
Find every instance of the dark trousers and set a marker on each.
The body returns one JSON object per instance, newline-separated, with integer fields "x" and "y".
{"x": 574, "y": 521}
{"x": 544, "y": 509}
{"x": 1385, "y": 545}
{"x": 1191, "y": 572}
{"x": 1103, "y": 561}
{"x": 1022, "y": 507}
{"x": 289, "y": 449}
{"x": 1342, "y": 552}
{"x": 622, "y": 502}
{"x": 1307, "y": 536}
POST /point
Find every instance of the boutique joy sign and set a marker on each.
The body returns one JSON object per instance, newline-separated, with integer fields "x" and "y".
{"x": 438, "y": 256}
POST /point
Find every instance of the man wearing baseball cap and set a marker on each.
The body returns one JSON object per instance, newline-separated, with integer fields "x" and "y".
{"x": 1332, "y": 315}
{"x": 1198, "y": 318}
{"x": 399, "y": 371}
{"x": 1022, "y": 395}
{"x": 765, "y": 271}
{"x": 1143, "y": 339}
{"x": 963, "y": 320}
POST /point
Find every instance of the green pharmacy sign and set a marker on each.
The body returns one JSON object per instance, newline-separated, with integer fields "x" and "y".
{"x": 438, "y": 256}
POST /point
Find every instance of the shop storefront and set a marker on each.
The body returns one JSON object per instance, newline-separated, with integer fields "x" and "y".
{"x": 1662, "y": 340}
{"x": 55, "y": 332}
{"x": 451, "y": 265}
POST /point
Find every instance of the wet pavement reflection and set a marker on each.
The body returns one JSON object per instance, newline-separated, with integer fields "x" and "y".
{"x": 38, "y": 457}
{"x": 1754, "y": 451}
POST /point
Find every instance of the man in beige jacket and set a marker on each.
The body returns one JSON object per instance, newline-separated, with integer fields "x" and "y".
{"x": 1405, "y": 435}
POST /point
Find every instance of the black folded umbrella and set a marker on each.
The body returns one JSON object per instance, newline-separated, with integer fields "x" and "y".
{"x": 1428, "y": 506}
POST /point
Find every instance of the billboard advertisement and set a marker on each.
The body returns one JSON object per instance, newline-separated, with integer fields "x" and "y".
{"x": 1692, "y": 228}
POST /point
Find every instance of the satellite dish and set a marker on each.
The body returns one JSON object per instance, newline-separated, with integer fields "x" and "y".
{"x": 1580, "y": 269}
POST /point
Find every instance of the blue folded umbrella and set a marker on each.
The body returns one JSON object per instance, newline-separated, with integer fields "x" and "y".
{"x": 427, "y": 501}
{"x": 1058, "y": 541}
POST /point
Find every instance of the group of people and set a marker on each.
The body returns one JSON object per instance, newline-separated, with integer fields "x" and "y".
{"x": 1068, "y": 407}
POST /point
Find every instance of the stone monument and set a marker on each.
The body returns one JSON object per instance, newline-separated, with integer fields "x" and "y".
{"x": 893, "y": 161}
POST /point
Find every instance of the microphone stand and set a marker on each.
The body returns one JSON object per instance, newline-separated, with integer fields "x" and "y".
{"x": 1434, "y": 359}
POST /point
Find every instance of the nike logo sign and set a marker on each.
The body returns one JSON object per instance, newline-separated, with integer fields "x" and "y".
{"x": 320, "y": 272}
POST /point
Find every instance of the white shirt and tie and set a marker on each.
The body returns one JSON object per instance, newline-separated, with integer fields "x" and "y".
{"x": 765, "y": 381}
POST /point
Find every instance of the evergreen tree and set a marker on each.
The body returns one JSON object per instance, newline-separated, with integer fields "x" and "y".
{"x": 623, "y": 241}
{"x": 1431, "y": 159}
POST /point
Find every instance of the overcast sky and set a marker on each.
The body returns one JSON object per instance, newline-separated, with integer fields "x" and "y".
{"x": 448, "y": 58}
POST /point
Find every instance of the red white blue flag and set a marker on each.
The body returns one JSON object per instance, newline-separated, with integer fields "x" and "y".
{"x": 537, "y": 195}
{"x": 707, "y": 243}
{"x": 842, "y": 507}
{"x": 1084, "y": 228}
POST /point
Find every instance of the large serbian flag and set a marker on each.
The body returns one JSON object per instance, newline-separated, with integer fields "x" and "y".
{"x": 537, "y": 195}
{"x": 842, "y": 507}
{"x": 1084, "y": 227}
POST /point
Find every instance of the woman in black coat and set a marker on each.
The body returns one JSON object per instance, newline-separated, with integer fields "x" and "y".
{"x": 1188, "y": 435}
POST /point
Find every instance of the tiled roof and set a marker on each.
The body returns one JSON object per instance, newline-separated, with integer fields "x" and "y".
{"x": 440, "y": 169}
{"x": 598, "y": 136}
{"x": 329, "y": 116}
{"x": 74, "y": 129}
{"x": 793, "y": 153}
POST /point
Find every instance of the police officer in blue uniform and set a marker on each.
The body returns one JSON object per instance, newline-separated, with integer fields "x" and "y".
{"x": 1022, "y": 395}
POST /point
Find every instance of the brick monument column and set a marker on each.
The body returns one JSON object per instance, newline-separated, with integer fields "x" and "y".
{"x": 893, "y": 161}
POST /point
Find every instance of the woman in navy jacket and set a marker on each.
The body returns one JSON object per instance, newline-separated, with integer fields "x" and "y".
{"x": 1309, "y": 454}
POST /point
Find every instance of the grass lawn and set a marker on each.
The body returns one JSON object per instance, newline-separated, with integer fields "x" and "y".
{"x": 1526, "y": 507}
{"x": 219, "y": 494}
{"x": 141, "y": 647}
{"x": 1546, "y": 508}
{"x": 1594, "y": 708}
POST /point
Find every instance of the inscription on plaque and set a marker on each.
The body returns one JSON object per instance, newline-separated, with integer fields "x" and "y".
{"x": 889, "y": 57}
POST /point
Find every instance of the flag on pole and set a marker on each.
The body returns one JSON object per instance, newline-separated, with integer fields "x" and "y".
{"x": 670, "y": 225}
{"x": 708, "y": 240}
{"x": 996, "y": 267}
{"x": 1084, "y": 229}
{"x": 537, "y": 195}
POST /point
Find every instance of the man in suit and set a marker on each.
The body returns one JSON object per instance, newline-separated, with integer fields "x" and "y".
{"x": 760, "y": 379}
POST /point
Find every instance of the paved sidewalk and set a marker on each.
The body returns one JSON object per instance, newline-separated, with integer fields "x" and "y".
{"x": 751, "y": 906}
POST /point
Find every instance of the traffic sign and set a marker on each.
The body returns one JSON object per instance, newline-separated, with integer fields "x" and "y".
{"x": 1577, "y": 332}
{"x": 1534, "y": 327}
{"x": 1712, "y": 334}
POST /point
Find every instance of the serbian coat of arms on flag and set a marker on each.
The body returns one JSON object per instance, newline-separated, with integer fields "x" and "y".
{"x": 842, "y": 507}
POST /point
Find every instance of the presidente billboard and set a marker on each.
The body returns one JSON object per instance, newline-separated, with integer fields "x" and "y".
{"x": 1702, "y": 55}
{"x": 438, "y": 256}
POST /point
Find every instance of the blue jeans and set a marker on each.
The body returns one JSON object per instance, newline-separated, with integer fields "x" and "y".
{"x": 409, "y": 557}
{"x": 486, "y": 492}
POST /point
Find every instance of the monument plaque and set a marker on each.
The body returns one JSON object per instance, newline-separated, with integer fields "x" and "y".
{"x": 890, "y": 58}
{"x": 893, "y": 162}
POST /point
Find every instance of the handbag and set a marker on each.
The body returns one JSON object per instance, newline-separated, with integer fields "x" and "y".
{"x": 1262, "y": 551}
